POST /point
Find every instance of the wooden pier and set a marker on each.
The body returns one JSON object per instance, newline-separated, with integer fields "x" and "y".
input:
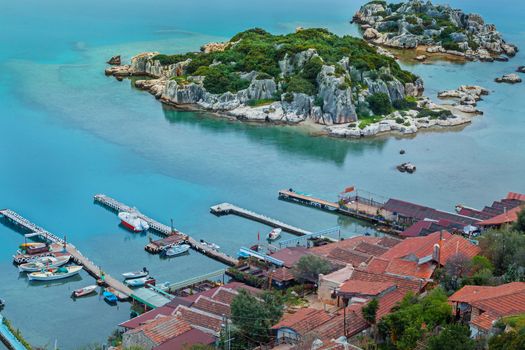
{"x": 358, "y": 207}
{"x": 76, "y": 255}
{"x": 227, "y": 208}
{"x": 165, "y": 230}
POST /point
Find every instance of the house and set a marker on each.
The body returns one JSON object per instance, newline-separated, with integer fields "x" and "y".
{"x": 483, "y": 306}
{"x": 184, "y": 321}
{"x": 506, "y": 218}
{"x": 166, "y": 332}
{"x": 330, "y": 283}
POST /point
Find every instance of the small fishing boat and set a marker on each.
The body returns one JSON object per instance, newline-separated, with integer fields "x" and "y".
{"x": 110, "y": 297}
{"x": 132, "y": 222}
{"x": 55, "y": 274}
{"x": 140, "y": 282}
{"x": 176, "y": 250}
{"x": 210, "y": 245}
{"x": 274, "y": 234}
{"x": 31, "y": 244}
{"x": 136, "y": 274}
{"x": 84, "y": 291}
{"x": 43, "y": 263}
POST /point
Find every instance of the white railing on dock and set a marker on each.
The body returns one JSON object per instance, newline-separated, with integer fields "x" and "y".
{"x": 228, "y": 208}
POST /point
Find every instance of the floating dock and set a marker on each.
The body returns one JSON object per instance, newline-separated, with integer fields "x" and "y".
{"x": 165, "y": 230}
{"x": 227, "y": 208}
{"x": 76, "y": 255}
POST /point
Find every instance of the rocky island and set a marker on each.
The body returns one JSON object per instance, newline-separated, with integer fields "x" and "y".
{"x": 341, "y": 84}
{"x": 435, "y": 28}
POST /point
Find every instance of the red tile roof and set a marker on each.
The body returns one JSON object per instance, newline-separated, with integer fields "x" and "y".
{"x": 372, "y": 249}
{"x": 484, "y": 321}
{"x": 417, "y": 246}
{"x": 304, "y": 320}
{"x": 469, "y": 294}
{"x": 283, "y": 274}
{"x": 230, "y": 285}
{"x": 410, "y": 268}
{"x": 457, "y": 245}
{"x": 334, "y": 328}
{"x": 212, "y": 306}
{"x": 365, "y": 288}
{"x": 505, "y": 218}
{"x": 517, "y": 196}
{"x": 224, "y": 295}
{"x": 377, "y": 265}
{"x": 510, "y": 304}
{"x": 348, "y": 256}
{"x": 185, "y": 340}
{"x": 290, "y": 255}
{"x": 389, "y": 242}
{"x": 415, "y": 229}
{"x": 147, "y": 316}
{"x": 198, "y": 318}
{"x": 405, "y": 283}
{"x": 163, "y": 328}
{"x": 388, "y": 301}
{"x": 349, "y": 243}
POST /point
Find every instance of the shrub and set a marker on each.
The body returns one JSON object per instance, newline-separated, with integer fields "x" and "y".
{"x": 288, "y": 97}
{"x": 416, "y": 30}
{"x": 408, "y": 102}
{"x": 319, "y": 101}
{"x": 379, "y": 103}
{"x": 312, "y": 68}
{"x": 400, "y": 120}
{"x": 220, "y": 80}
{"x": 298, "y": 84}
{"x": 260, "y": 102}
{"x": 450, "y": 45}
{"x": 262, "y": 76}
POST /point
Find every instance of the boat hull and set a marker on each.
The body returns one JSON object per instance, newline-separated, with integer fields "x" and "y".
{"x": 31, "y": 267}
{"x": 51, "y": 276}
{"x": 84, "y": 291}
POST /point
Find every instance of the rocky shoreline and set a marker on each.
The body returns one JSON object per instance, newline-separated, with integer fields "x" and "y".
{"x": 347, "y": 102}
{"x": 440, "y": 28}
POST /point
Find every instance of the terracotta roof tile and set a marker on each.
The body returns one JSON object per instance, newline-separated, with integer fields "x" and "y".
{"x": 405, "y": 283}
{"x": 457, "y": 244}
{"x": 283, "y": 274}
{"x": 469, "y": 294}
{"x": 377, "y": 265}
{"x": 418, "y": 246}
{"x": 484, "y": 321}
{"x": 199, "y": 318}
{"x": 372, "y": 249}
{"x": 335, "y": 327}
{"x": 147, "y": 316}
{"x": 349, "y": 243}
{"x": 348, "y": 256}
{"x": 163, "y": 328}
{"x": 290, "y": 255}
{"x": 183, "y": 341}
{"x": 389, "y": 242}
{"x": 212, "y": 306}
{"x": 509, "y": 304}
{"x": 388, "y": 301}
{"x": 304, "y": 320}
{"x": 410, "y": 268}
{"x": 505, "y": 218}
{"x": 365, "y": 288}
{"x": 224, "y": 295}
{"x": 518, "y": 196}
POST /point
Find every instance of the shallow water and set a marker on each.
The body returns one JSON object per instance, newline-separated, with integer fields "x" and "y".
{"x": 68, "y": 132}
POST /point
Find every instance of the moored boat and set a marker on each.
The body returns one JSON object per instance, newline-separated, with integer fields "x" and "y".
{"x": 110, "y": 297}
{"x": 55, "y": 274}
{"x": 274, "y": 234}
{"x": 210, "y": 245}
{"x": 136, "y": 274}
{"x": 132, "y": 222}
{"x": 84, "y": 291}
{"x": 176, "y": 250}
{"x": 43, "y": 263}
{"x": 140, "y": 282}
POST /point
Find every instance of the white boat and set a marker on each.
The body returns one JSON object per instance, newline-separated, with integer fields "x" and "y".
{"x": 55, "y": 274}
{"x": 138, "y": 282}
{"x": 210, "y": 244}
{"x": 84, "y": 291}
{"x": 43, "y": 263}
{"x": 274, "y": 234}
{"x": 177, "y": 250}
{"x": 136, "y": 274}
{"x": 132, "y": 222}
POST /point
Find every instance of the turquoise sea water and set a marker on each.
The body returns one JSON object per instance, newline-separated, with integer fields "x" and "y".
{"x": 67, "y": 132}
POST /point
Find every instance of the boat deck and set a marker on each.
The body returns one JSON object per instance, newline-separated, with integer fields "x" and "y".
{"x": 228, "y": 208}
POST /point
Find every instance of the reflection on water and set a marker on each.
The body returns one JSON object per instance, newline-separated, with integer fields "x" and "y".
{"x": 296, "y": 140}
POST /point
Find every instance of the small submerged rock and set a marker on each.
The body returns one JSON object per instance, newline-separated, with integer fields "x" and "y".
{"x": 509, "y": 78}
{"x": 421, "y": 58}
{"x": 467, "y": 97}
{"x": 521, "y": 69}
{"x": 402, "y": 151}
{"x": 406, "y": 167}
